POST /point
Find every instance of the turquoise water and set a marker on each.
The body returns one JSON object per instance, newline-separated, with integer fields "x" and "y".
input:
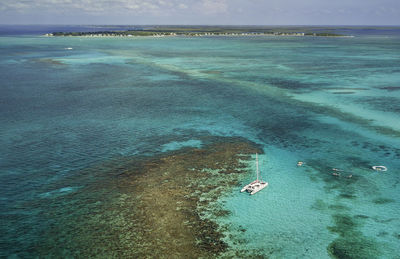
{"x": 331, "y": 102}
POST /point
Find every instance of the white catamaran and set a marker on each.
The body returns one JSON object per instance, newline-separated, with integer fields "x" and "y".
{"x": 256, "y": 185}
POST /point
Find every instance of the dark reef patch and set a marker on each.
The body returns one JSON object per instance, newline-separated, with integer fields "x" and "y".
{"x": 341, "y": 182}
{"x": 384, "y": 221}
{"x": 348, "y": 117}
{"x": 291, "y": 84}
{"x": 382, "y": 200}
{"x": 358, "y": 162}
{"x": 337, "y": 207}
{"x": 348, "y": 195}
{"x": 346, "y": 88}
{"x": 344, "y": 92}
{"x": 360, "y": 216}
{"x": 343, "y": 224}
{"x": 148, "y": 207}
{"x": 351, "y": 243}
{"x": 350, "y": 248}
{"x": 386, "y": 104}
{"x": 390, "y": 88}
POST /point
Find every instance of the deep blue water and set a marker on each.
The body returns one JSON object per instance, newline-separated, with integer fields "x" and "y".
{"x": 332, "y": 102}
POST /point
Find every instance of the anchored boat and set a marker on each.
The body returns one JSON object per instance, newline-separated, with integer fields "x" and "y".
{"x": 256, "y": 185}
{"x": 379, "y": 168}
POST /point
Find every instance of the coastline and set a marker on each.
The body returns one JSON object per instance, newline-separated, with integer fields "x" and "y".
{"x": 199, "y": 35}
{"x": 201, "y": 31}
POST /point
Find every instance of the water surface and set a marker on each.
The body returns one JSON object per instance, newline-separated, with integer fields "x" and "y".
{"x": 331, "y": 102}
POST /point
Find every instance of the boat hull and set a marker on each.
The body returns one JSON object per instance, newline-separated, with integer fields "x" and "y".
{"x": 248, "y": 186}
{"x": 261, "y": 186}
{"x": 254, "y": 187}
{"x": 379, "y": 168}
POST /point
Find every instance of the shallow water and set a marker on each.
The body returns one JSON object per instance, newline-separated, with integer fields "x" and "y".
{"x": 331, "y": 102}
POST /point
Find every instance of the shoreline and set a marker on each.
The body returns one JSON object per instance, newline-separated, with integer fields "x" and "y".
{"x": 201, "y": 31}
{"x": 195, "y": 36}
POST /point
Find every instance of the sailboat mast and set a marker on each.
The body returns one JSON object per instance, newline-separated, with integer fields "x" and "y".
{"x": 257, "y": 165}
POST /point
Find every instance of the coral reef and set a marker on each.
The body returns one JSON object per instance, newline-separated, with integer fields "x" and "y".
{"x": 148, "y": 207}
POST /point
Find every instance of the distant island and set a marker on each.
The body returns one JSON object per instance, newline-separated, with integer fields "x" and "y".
{"x": 197, "y": 31}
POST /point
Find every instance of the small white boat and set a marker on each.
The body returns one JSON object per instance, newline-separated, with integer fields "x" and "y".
{"x": 379, "y": 168}
{"x": 256, "y": 185}
{"x": 69, "y": 48}
{"x": 300, "y": 163}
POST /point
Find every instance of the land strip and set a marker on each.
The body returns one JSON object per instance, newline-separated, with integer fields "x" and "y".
{"x": 197, "y": 31}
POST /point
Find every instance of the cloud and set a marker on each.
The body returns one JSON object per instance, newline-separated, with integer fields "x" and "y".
{"x": 182, "y": 6}
{"x": 93, "y": 6}
{"x": 204, "y": 11}
{"x": 213, "y": 6}
{"x": 164, "y": 7}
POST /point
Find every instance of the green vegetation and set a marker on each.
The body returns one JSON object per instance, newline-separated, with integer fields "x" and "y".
{"x": 324, "y": 34}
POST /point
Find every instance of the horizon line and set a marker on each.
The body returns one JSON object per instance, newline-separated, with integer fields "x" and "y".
{"x": 83, "y": 24}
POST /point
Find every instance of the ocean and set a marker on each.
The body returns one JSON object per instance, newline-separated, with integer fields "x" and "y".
{"x": 74, "y": 110}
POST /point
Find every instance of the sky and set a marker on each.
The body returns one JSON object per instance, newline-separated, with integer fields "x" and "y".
{"x": 207, "y": 12}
